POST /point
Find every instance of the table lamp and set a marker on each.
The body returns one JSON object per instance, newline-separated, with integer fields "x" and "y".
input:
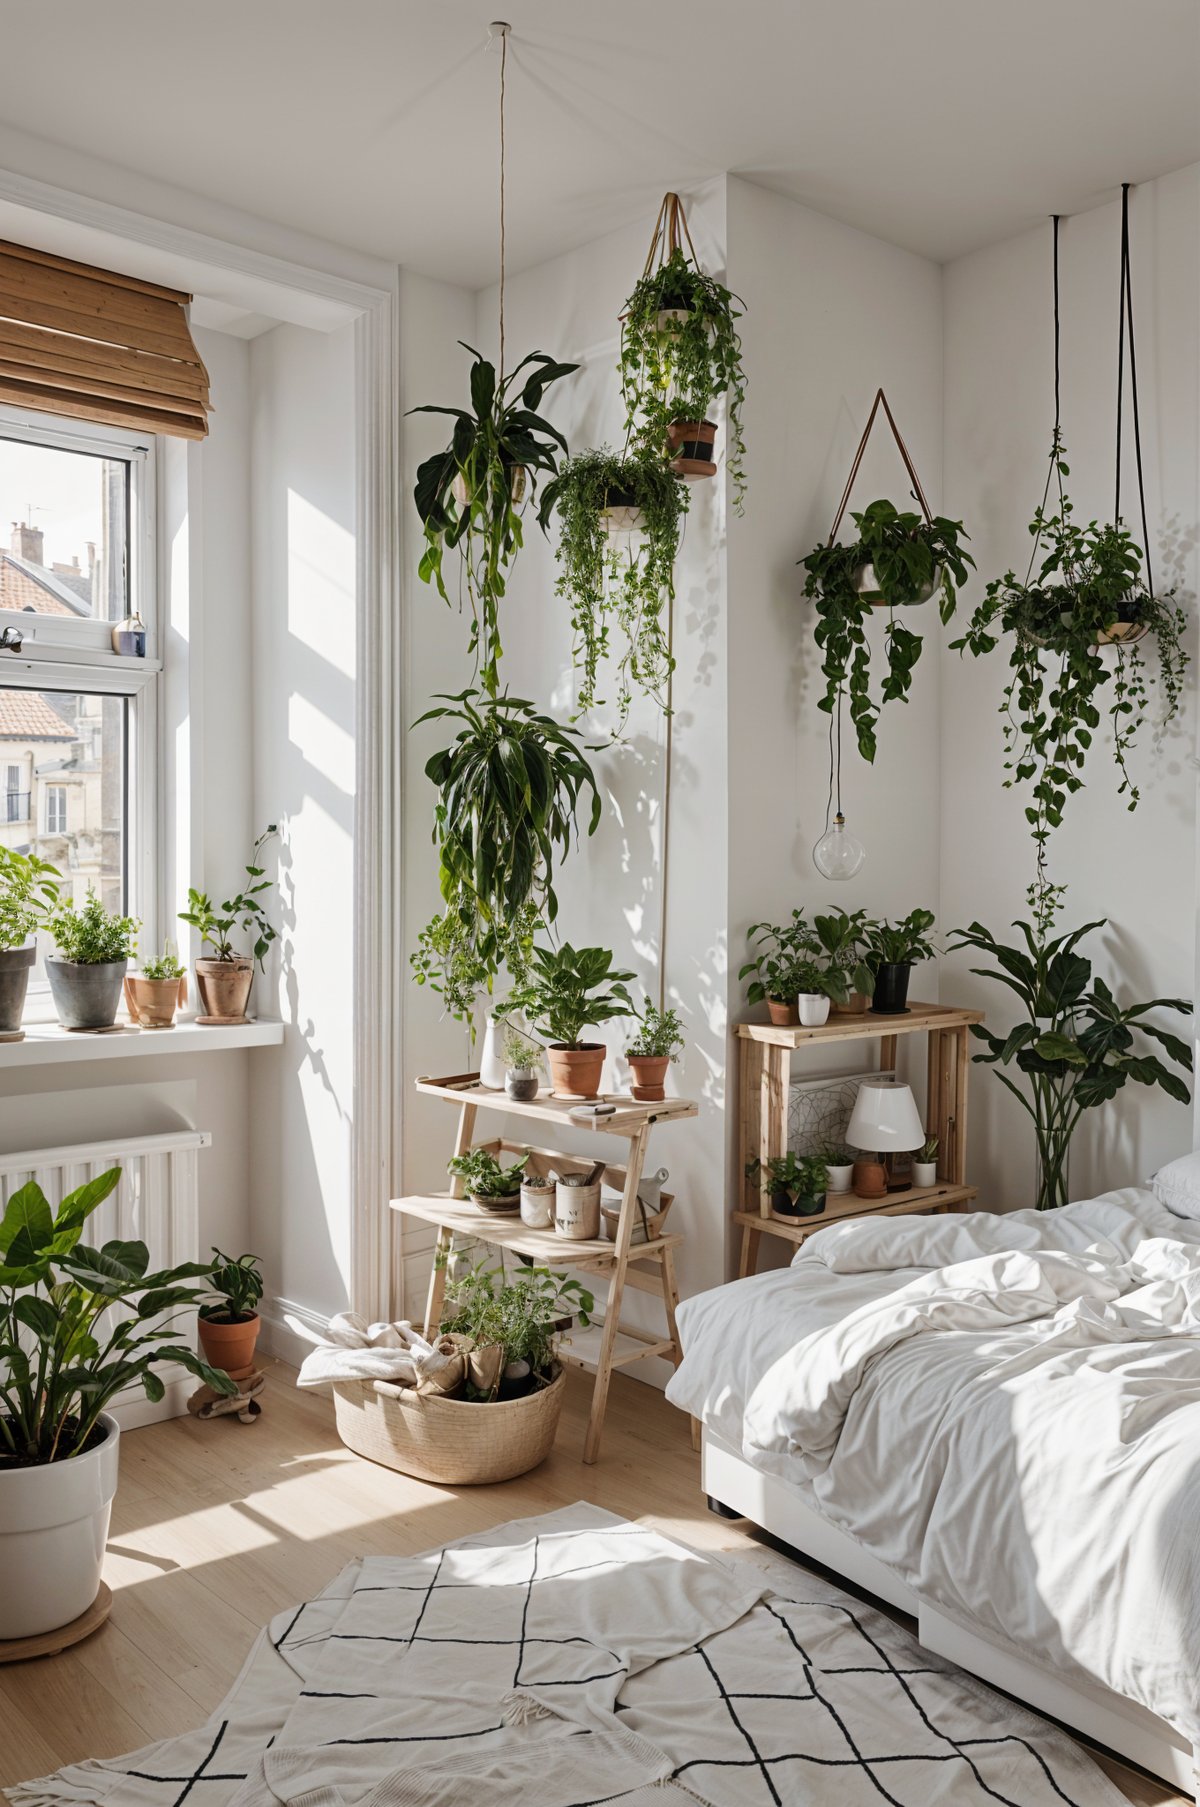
{"x": 886, "y": 1124}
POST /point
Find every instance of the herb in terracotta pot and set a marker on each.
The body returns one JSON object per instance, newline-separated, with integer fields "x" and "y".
{"x": 28, "y": 898}
{"x": 651, "y": 1052}
{"x": 489, "y": 1185}
{"x": 224, "y": 979}
{"x": 229, "y": 1320}
{"x": 153, "y": 995}
{"x": 88, "y": 970}
{"x": 571, "y": 989}
{"x": 895, "y": 948}
{"x": 797, "y": 1184}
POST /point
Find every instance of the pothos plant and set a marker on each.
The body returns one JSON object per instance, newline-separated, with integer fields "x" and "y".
{"x": 680, "y": 351}
{"x": 469, "y": 496}
{"x": 911, "y": 560}
{"x": 1073, "y": 658}
{"x": 509, "y": 790}
{"x": 626, "y": 579}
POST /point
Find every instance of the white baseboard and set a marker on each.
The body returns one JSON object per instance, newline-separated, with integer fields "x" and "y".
{"x": 132, "y": 1409}
{"x": 290, "y": 1342}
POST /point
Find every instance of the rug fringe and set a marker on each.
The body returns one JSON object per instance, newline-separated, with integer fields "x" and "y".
{"x": 518, "y": 1708}
{"x": 61, "y": 1789}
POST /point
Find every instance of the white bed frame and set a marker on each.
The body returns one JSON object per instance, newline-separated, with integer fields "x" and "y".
{"x": 1121, "y": 1725}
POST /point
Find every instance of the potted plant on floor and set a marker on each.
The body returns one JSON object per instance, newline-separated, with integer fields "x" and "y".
{"x": 797, "y": 1184}
{"x": 895, "y": 948}
{"x": 522, "y": 1065}
{"x": 896, "y": 560}
{"x": 569, "y": 990}
{"x": 469, "y": 496}
{"x": 519, "y": 1319}
{"x": 78, "y": 1325}
{"x": 153, "y": 995}
{"x": 619, "y": 535}
{"x": 651, "y": 1052}
{"x": 28, "y": 899}
{"x": 229, "y": 1320}
{"x": 843, "y": 937}
{"x": 225, "y": 978}
{"x": 489, "y": 1186}
{"x": 774, "y": 966}
{"x": 87, "y": 972}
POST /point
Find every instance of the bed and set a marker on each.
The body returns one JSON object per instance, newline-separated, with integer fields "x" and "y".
{"x": 991, "y": 1422}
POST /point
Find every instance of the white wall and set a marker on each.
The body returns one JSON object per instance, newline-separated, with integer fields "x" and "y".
{"x": 1137, "y": 870}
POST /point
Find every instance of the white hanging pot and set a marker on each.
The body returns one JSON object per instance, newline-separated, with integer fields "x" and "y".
{"x": 53, "y": 1528}
{"x": 491, "y": 1063}
{"x": 866, "y": 585}
{"x": 621, "y": 513}
{"x": 814, "y": 1009}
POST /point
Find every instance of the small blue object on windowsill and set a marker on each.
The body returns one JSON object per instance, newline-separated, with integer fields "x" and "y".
{"x": 129, "y": 637}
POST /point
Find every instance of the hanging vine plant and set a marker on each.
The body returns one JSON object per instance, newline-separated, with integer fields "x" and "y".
{"x": 680, "y": 352}
{"x": 619, "y": 521}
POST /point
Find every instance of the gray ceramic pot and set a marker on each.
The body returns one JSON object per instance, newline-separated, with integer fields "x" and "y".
{"x": 86, "y": 996}
{"x": 15, "y": 963}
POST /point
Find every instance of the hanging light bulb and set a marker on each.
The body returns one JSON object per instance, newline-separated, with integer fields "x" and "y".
{"x": 839, "y": 853}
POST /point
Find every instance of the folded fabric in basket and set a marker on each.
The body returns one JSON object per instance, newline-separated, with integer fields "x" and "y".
{"x": 356, "y": 1350}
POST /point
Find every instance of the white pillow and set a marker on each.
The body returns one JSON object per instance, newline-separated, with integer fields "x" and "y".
{"x": 1177, "y": 1185}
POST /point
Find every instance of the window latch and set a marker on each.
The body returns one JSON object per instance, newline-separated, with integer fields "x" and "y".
{"x": 11, "y": 640}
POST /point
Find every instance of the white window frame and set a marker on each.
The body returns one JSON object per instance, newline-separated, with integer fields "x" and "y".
{"x": 56, "y": 827}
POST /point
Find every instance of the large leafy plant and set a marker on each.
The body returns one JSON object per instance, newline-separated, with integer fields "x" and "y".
{"x": 903, "y": 943}
{"x": 1074, "y": 1047}
{"x": 617, "y": 580}
{"x": 243, "y": 913}
{"x": 28, "y": 896}
{"x": 509, "y": 789}
{"x": 570, "y": 989}
{"x": 680, "y": 352}
{"x": 469, "y": 496}
{"x": 780, "y": 948}
{"x": 521, "y": 1314}
{"x": 912, "y": 559}
{"x": 78, "y": 1325}
{"x": 843, "y": 937}
{"x": 91, "y": 936}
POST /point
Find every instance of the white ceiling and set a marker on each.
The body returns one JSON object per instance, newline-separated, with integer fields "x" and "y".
{"x": 939, "y": 124}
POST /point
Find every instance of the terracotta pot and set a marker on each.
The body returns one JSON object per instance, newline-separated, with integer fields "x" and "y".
{"x": 576, "y": 1072}
{"x": 649, "y": 1071}
{"x": 152, "y": 1003}
{"x": 692, "y": 443}
{"x": 856, "y": 1004}
{"x": 783, "y": 1012}
{"x": 870, "y": 1179}
{"x": 230, "y": 1346}
{"x": 224, "y": 987}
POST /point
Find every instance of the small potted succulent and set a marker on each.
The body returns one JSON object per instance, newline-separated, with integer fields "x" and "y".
{"x": 797, "y": 1184}
{"x": 229, "y": 1321}
{"x": 894, "y": 950}
{"x": 88, "y": 970}
{"x": 924, "y": 1166}
{"x": 489, "y": 1186}
{"x": 651, "y": 1052}
{"x": 568, "y": 990}
{"x": 839, "y": 1166}
{"x": 225, "y": 978}
{"x": 522, "y": 1065}
{"x": 153, "y": 995}
{"x": 28, "y": 898}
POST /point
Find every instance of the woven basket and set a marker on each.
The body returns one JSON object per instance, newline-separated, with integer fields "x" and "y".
{"x": 452, "y": 1441}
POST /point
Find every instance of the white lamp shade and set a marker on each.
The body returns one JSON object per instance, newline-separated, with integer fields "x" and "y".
{"x": 885, "y": 1119}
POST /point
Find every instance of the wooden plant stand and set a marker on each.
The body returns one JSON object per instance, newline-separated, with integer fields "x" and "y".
{"x": 764, "y": 1075}
{"x": 646, "y": 1266}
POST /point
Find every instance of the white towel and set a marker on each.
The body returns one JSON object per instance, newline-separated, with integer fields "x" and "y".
{"x": 356, "y": 1350}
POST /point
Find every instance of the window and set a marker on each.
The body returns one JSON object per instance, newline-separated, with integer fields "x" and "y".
{"x": 56, "y": 809}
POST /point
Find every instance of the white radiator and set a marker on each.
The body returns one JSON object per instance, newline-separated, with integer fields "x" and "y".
{"x": 155, "y": 1203}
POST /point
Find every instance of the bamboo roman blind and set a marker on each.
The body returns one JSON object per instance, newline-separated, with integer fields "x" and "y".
{"x": 87, "y": 342}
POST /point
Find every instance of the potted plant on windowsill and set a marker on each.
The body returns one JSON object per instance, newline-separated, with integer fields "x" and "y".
{"x": 895, "y": 948}
{"x": 229, "y": 1320}
{"x": 28, "y": 899}
{"x": 78, "y": 1325}
{"x": 797, "y": 1184}
{"x": 224, "y": 980}
{"x": 490, "y": 1187}
{"x": 153, "y": 995}
{"x": 88, "y": 970}
{"x": 569, "y": 990}
{"x": 652, "y": 1051}
{"x": 897, "y": 560}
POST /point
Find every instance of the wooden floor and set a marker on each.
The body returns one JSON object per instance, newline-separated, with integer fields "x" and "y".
{"x": 217, "y": 1526}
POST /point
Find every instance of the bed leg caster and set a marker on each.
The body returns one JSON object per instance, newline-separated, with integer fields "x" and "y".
{"x": 721, "y": 1510}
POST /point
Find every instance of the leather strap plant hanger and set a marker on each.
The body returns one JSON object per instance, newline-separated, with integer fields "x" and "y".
{"x": 881, "y": 400}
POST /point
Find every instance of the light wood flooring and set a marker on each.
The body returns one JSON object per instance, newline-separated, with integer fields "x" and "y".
{"x": 217, "y": 1526}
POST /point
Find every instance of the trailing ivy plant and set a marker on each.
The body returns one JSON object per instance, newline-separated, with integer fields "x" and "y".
{"x": 509, "y": 789}
{"x": 500, "y": 435}
{"x": 673, "y": 369}
{"x": 1064, "y": 677}
{"x": 625, "y": 579}
{"x": 913, "y": 560}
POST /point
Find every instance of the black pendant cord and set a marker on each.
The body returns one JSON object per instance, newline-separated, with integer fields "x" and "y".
{"x": 1054, "y": 469}
{"x": 1126, "y": 326}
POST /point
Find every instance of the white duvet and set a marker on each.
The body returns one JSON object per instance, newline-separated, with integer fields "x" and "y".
{"x": 1006, "y": 1409}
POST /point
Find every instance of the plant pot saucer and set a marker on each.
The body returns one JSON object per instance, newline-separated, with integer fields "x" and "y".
{"x": 907, "y": 1011}
{"x": 496, "y": 1207}
{"x": 49, "y": 1643}
{"x": 218, "y": 1021}
{"x": 102, "y": 1029}
{"x": 12, "y": 1035}
{"x": 693, "y": 469}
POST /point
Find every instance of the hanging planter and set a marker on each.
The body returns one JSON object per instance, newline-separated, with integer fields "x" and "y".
{"x": 896, "y": 560}
{"x": 680, "y": 353}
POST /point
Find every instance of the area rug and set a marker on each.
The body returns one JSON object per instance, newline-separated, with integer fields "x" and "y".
{"x": 575, "y": 1659}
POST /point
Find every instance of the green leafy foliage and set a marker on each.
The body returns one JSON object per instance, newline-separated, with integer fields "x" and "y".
{"x": 509, "y": 789}
{"x": 238, "y": 1283}
{"x": 521, "y": 1053}
{"x": 521, "y": 1314}
{"x": 483, "y": 1175}
{"x": 621, "y": 580}
{"x": 91, "y": 936}
{"x": 828, "y": 956}
{"x": 78, "y": 1325}
{"x": 499, "y": 434}
{"x": 674, "y": 370}
{"x": 659, "y": 1035}
{"x": 28, "y": 895}
{"x": 245, "y": 912}
{"x": 843, "y": 937}
{"x": 800, "y": 1176}
{"x": 571, "y": 989}
{"x": 166, "y": 965}
{"x": 903, "y": 943}
{"x": 913, "y": 559}
{"x": 1074, "y": 1047}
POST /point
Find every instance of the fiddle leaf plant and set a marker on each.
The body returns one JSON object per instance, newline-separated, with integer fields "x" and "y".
{"x": 469, "y": 496}
{"x": 912, "y": 560}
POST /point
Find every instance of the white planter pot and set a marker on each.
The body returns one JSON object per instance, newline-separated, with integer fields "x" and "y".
{"x": 839, "y": 1178}
{"x": 924, "y": 1173}
{"x": 491, "y": 1062}
{"x": 53, "y": 1528}
{"x": 814, "y": 1009}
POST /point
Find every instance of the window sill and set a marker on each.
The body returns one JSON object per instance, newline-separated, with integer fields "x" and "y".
{"x": 45, "y": 1044}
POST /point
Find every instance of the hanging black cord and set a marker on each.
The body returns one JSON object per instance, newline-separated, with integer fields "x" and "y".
{"x": 1127, "y": 324}
{"x": 1121, "y": 343}
{"x": 1056, "y": 442}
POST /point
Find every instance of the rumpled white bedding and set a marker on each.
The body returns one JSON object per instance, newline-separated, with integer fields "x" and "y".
{"x": 1006, "y": 1409}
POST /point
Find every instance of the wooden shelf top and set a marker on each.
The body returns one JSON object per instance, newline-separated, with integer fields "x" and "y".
{"x": 848, "y": 1204}
{"x": 917, "y": 1019}
{"x": 628, "y": 1118}
{"x": 546, "y": 1246}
